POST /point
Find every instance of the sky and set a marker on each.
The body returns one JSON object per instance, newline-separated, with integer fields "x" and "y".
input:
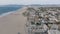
{"x": 27, "y": 2}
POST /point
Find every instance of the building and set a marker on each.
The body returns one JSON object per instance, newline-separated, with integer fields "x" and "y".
{"x": 43, "y": 20}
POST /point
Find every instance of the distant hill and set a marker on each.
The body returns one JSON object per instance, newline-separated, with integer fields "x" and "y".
{"x": 47, "y": 5}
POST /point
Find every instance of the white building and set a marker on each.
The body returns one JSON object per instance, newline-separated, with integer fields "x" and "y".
{"x": 53, "y": 32}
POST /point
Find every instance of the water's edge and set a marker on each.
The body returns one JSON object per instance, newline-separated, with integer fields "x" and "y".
{"x": 7, "y": 13}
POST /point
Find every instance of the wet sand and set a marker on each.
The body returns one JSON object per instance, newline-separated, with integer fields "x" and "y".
{"x": 13, "y": 23}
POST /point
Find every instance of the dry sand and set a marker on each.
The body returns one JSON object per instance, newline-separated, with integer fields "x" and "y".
{"x": 13, "y": 23}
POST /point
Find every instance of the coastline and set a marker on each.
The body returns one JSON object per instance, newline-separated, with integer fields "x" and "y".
{"x": 13, "y": 23}
{"x": 7, "y": 13}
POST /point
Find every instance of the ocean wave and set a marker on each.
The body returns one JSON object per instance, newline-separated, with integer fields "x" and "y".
{"x": 7, "y": 13}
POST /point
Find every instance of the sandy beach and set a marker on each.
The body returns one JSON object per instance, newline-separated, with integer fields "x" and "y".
{"x": 13, "y": 23}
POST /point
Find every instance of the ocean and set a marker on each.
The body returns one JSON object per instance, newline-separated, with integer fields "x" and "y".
{"x": 5, "y": 10}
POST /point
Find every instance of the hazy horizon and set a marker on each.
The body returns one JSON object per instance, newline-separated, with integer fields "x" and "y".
{"x": 28, "y": 2}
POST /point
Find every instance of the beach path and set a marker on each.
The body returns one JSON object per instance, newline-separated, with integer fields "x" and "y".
{"x": 13, "y": 23}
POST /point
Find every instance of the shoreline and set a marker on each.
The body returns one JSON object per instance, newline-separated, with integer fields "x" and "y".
{"x": 8, "y": 13}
